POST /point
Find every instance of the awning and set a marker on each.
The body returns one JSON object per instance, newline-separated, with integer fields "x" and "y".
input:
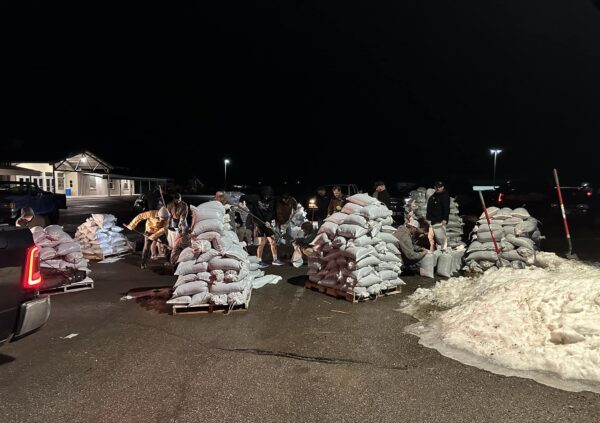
{"x": 85, "y": 161}
{"x": 15, "y": 170}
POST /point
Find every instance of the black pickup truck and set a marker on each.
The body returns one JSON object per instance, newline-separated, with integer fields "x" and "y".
{"x": 16, "y": 195}
{"x": 22, "y": 308}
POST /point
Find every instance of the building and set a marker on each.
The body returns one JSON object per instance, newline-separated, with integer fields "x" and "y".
{"x": 82, "y": 174}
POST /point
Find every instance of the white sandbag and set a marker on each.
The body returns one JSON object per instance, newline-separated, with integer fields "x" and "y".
{"x": 368, "y": 280}
{"x": 208, "y": 256}
{"x": 362, "y": 199}
{"x": 356, "y": 219}
{"x": 54, "y": 232}
{"x": 339, "y": 242}
{"x": 361, "y": 273}
{"x": 116, "y": 229}
{"x": 396, "y": 282}
{"x": 199, "y": 215}
{"x": 190, "y": 288}
{"x": 200, "y": 298}
{"x": 38, "y": 234}
{"x": 321, "y": 239}
{"x": 47, "y": 243}
{"x": 484, "y": 236}
{"x": 219, "y": 300}
{"x": 297, "y": 260}
{"x": 367, "y": 261}
{"x": 224, "y": 264}
{"x": 512, "y": 221}
{"x": 504, "y": 213}
{"x": 104, "y": 220}
{"x": 514, "y": 255}
{"x": 375, "y": 212}
{"x": 183, "y": 279}
{"x": 426, "y": 268}
{"x": 525, "y": 252}
{"x": 362, "y": 241}
{"x": 210, "y": 225}
{"x": 217, "y": 275}
{"x": 187, "y": 267}
{"x": 67, "y": 248}
{"x": 520, "y": 241}
{"x": 486, "y": 228}
{"x": 388, "y": 238}
{"x": 75, "y": 257}
{"x": 393, "y": 249}
{"x": 388, "y": 275}
{"x": 445, "y": 265}
{"x": 390, "y": 258}
{"x": 351, "y": 208}
{"x": 209, "y": 236}
{"x": 388, "y": 221}
{"x": 220, "y": 288}
{"x": 351, "y": 231}
{"x": 521, "y": 213}
{"x": 328, "y": 228}
{"x": 235, "y": 252}
{"x": 492, "y": 211}
{"x": 212, "y": 205}
{"x": 356, "y": 253}
{"x": 180, "y": 300}
{"x": 337, "y": 218}
{"x": 483, "y": 255}
{"x": 267, "y": 280}
{"x": 388, "y": 229}
{"x": 204, "y": 276}
{"x": 526, "y": 227}
{"x": 201, "y": 245}
{"x": 188, "y": 254}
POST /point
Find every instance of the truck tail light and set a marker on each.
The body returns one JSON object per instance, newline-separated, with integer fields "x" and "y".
{"x": 32, "y": 276}
{"x": 589, "y": 194}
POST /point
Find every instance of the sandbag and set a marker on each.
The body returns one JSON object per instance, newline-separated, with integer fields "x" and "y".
{"x": 351, "y": 231}
{"x": 390, "y": 258}
{"x": 329, "y": 228}
{"x": 393, "y": 249}
{"x": 201, "y": 245}
{"x": 54, "y": 232}
{"x": 218, "y": 263}
{"x": 190, "y": 288}
{"x": 492, "y": 211}
{"x": 75, "y": 257}
{"x": 362, "y": 241}
{"x": 209, "y": 236}
{"x": 184, "y": 300}
{"x": 521, "y": 213}
{"x": 68, "y": 248}
{"x": 368, "y": 280}
{"x": 337, "y": 218}
{"x": 187, "y": 254}
{"x": 200, "y": 298}
{"x": 445, "y": 265}
{"x": 426, "y": 268}
{"x": 388, "y": 275}
{"x": 339, "y": 242}
{"x": 38, "y": 234}
{"x": 351, "y": 208}
{"x": 208, "y": 256}
{"x": 526, "y": 227}
{"x": 388, "y": 238}
{"x": 187, "y": 267}
{"x": 520, "y": 241}
{"x": 47, "y": 253}
{"x": 483, "y": 255}
{"x": 356, "y": 219}
{"x": 221, "y": 288}
{"x": 375, "y": 212}
{"x": 356, "y": 253}
{"x": 210, "y": 225}
{"x": 367, "y": 261}
{"x": 104, "y": 220}
{"x": 362, "y": 199}
{"x": 487, "y": 237}
{"x": 183, "y": 279}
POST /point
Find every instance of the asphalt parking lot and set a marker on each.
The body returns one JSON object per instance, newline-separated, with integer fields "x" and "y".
{"x": 295, "y": 355}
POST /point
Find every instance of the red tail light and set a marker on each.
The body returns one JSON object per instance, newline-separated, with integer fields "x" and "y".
{"x": 32, "y": 276}
{"x": 589, "y": 193}
{"x": 500, "y": 197}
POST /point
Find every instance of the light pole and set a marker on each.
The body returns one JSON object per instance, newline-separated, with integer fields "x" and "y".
{"x": 495, "y": 152}
{"x": 225, "y": 181}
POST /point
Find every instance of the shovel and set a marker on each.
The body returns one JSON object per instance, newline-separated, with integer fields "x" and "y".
{"x": 569, "y": 253}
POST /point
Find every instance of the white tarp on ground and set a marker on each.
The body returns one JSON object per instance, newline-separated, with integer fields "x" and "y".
{"x": 541, "y": 322}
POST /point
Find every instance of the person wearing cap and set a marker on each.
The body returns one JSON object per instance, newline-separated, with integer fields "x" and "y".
{"x": 382, "y": 194}
{"x": 155, "y": 231}
{"x": 411, "y": 253}
{"x": 29, "y": 219}
{"x": 438, "y": 212}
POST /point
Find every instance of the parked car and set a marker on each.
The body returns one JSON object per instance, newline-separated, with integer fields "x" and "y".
{"x": 16, "y": 195}
{"x": 579, "y": 199}
{"x": 22, "y": 309}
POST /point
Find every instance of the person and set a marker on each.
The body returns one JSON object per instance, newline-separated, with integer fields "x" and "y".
{"x": 241, "y": 219}
{"x": 382, "y": 194}
{"x": 178, "y": 211}
{"x": 155, "y": 231}
{"x": 302, "y": 245}
{"x": 220, "y": 197}
{"x": 29, "y": 219}
{"x": 336, "y": 204}
{"x": 263, "y": 212}
{"x": 322, "y": 204}
{"x": 182, "y": 241}
{"x": 411, "y": 254}
{"x": 424, "y": 236}
{"x": 438, "y": 212}
{"x": 284, "y": 210}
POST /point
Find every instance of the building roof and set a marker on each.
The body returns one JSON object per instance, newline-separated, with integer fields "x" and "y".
{"x": 83, "y": 161}
{"x": 6, "y": 170}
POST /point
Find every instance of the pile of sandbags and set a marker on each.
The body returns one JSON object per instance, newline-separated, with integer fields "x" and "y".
{"x": 296, "y": 221}
{"x": 355, "y": 249}
{"x": 216, "y": 268}
{"x": 100, "y": 236}
{"x": 416, "y": 208}
{"x": 444, "y": 263}
{"x": 517, "y": 235}
{"x": 57, "y": 249}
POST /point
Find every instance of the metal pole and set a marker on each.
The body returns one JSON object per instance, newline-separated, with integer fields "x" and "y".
{"x": 495, "y": 158}
{"x": 225, "y": 181}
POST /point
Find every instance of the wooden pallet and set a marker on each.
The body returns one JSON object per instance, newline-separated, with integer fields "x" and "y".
{"x": 348, "y": 296}
{"x": 84, "y": 285}
{"x": 100, "y": 257}
{"x": 181, "y": 309}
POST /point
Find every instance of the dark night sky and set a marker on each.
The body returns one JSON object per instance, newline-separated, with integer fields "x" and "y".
{"x": 289, "y": 89}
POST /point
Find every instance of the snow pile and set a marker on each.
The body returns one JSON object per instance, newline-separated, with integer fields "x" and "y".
{"x": 416, "y": 208}
{"x": 541, "y": 322}
{"x": 516, "y": 234}
{"x": 355, "y": 249}
{"x": 57, "y": 249}
{"x": 216, "y": 268}
{"x": 100, "y": 236}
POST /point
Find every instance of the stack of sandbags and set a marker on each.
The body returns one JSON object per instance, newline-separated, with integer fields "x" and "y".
{"x": 100, "y": 236}
{"x": 57, "y": 249}
{"x": 516, "y": 233}
{"x": 416, "y": 208}
{"x": 355, "y": 249}
{"x": 216, "y": 268}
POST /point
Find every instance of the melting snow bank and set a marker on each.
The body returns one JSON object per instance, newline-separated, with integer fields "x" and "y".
{"x": 541, "y": 323}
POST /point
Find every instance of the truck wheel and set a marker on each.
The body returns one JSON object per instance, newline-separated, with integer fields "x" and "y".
{"x": 53, "y": 217}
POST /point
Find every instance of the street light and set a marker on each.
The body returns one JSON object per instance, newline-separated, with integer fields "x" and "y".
{"x": 495, "y": 152}
{"x": 225, "y": 182}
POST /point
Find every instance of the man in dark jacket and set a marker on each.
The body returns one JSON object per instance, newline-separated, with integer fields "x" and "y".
{"x": 322, "y": 203}
{"x": 438, "y": 205}
{"x": 337, "y": 201}
{"x": 438, "y": 213}
{"x": 263, "y": 212}
{"x": 382, "y": 194}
